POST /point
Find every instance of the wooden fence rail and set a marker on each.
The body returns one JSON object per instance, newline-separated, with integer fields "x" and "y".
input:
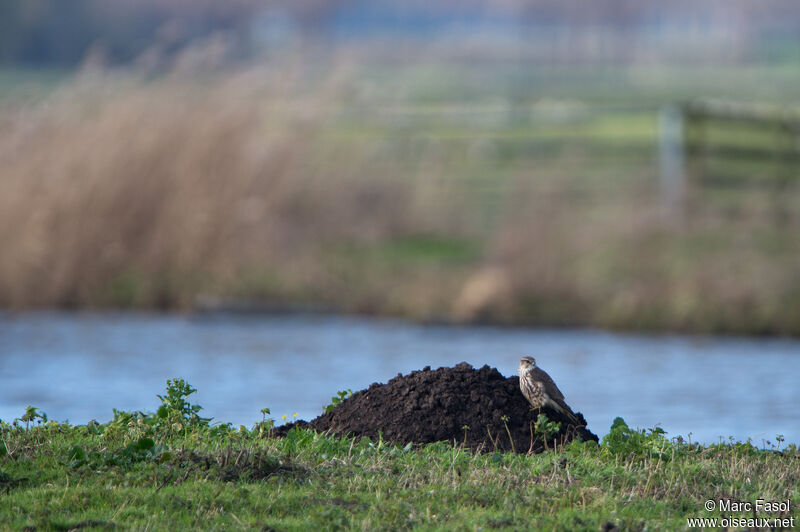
{"x": 712, "y": 142}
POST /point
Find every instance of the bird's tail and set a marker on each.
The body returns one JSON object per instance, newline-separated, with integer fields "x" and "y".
{"x": 567, "y": 411}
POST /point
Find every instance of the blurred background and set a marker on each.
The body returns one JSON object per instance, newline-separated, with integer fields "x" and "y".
{"x": 616, "y": 165}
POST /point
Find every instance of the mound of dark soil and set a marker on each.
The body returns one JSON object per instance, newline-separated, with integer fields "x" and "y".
{"x": 438, "y": 405}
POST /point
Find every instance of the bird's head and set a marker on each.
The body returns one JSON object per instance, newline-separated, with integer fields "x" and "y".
{"x": 526, "y": 364}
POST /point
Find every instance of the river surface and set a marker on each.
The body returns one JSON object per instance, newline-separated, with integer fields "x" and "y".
{"x": 77, "y": 366}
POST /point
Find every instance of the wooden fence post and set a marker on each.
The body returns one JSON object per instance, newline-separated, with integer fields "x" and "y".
{"x": 672, "y": 161}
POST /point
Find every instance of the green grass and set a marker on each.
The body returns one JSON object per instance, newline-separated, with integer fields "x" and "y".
{"x": 411, "y": 249}
{"x": 174, "y": 470}
{"x": 477, "y": 82}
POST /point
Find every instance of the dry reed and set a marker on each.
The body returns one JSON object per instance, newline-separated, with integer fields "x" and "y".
{"x": 121, "y": 192}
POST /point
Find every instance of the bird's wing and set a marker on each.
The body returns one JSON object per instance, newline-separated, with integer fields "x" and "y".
{"x": 549, "y": 386}
{"x": 555, "y": 394}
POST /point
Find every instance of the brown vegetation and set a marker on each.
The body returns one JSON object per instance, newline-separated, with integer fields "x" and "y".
{"x": 119, "y": 193}
{"x": 122, "y": 193}
{"x": 617, "y": 263}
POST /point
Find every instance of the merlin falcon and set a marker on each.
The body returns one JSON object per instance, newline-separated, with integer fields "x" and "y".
{"x": 540, "y": 390}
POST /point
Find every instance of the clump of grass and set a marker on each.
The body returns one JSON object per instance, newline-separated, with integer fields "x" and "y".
{"x": 138, "y": 470}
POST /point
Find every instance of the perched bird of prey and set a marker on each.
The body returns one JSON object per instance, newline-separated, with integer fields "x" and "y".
{"x": 540, "y": 390}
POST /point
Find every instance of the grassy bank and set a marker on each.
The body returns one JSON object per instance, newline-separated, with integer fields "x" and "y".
{"x": 457, "y": 193}
{"x": 174, "y": 470}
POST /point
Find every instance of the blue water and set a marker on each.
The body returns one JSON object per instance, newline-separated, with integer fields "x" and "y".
{"x": 77, "y": 366}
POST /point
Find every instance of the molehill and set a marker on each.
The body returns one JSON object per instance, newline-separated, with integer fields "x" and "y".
{"x": 479, "y": 409}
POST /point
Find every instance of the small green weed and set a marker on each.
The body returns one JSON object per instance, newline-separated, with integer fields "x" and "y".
{"x": 265, "y": 426}
{"x": 546, "y": 429}
{"x": 32, "y": 414}
{"x": 624, "y": 441}
{"x": 175, "y": 407}
{"x": 340, "y": 396}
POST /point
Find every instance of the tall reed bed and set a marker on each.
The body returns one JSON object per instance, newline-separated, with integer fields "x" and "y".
{"x": 121, "y": 192}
